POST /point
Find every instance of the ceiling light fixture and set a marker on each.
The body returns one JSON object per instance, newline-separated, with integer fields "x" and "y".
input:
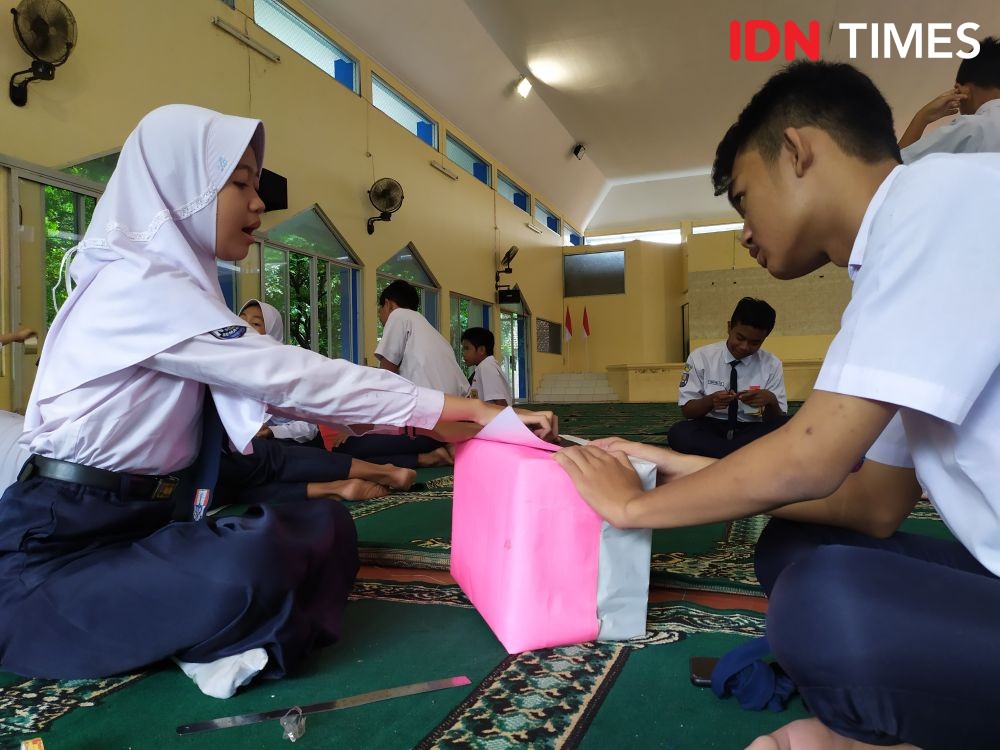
{"x": 524, "y": 86}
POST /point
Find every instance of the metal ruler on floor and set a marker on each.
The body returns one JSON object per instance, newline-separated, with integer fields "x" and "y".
{"x": 334, "y": 705}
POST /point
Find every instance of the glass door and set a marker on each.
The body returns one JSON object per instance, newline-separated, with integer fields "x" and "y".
{"x": 47, "y": 218}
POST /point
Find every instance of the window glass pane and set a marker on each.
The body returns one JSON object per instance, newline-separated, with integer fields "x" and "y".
{"x": 323, "y": 308}
{"x": 276, "y": 281}
{"x": 283, "y": 23}
{"x": 228, "y": 272}
{"x": 64, "y": 226}
{"x": 308, "y": 231}
{"x": 512, "y": 192}
{"x": 403, "y": 265}
{"x": 97, "y": 170}
{"x": 402, "y": 111}
{"x": 299, "y": 304}
{"x": 467, "y": 159}
{"x": 546, "y": 218}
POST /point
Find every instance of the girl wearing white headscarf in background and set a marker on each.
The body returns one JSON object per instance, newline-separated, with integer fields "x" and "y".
{"x": 95, "y": 578}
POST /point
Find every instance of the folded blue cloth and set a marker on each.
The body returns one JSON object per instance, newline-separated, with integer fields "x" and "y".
{"x": 756, "y": 684}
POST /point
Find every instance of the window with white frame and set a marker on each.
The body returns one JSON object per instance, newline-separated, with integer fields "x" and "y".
{"x": 314, "y": 279}
{"x": 571, "y": 236}
{"x": 467, "y": 159}
{"x": 286, "y": 25}
{"x": 408, "y": 265}
{"x": 467, "y": 312}
{"x": 400, "y": 109}
{"x": 513, "y": 192}
{"x": 546, "y": 218}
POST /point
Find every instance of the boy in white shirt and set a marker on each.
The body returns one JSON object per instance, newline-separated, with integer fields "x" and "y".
{"x": 731, "y": 392}
{"x": 890, "y": 637}
{"x": 488, "y": 381}
{"x": 975, "y": 98}
{"x": 412, "y": 347}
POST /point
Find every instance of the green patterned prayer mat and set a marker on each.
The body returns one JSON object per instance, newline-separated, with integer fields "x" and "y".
{"x": 591, "y": 695}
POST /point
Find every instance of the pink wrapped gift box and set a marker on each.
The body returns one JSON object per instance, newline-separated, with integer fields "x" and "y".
{"x": 526, "y": 548}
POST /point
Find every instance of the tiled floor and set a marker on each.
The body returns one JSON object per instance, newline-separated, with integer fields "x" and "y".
{"x": 718, "y": 601}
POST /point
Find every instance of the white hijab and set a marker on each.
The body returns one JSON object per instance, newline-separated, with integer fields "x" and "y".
{"x": 145, "y": 274}
{"x": 274, "y": 326}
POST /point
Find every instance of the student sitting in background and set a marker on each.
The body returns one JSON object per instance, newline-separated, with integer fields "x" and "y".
{"x": 412, "y": 347}
{"x": 975, "y": 97}
{"x": 286, "y": 465}
{"x": 488, "y": 381}
{"x": 732, "y": 392}
{"x": 266, "y": 320}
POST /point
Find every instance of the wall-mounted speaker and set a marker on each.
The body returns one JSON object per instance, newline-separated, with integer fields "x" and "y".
{"x": 509, "y": 296}
{"x": 273, "y": 190}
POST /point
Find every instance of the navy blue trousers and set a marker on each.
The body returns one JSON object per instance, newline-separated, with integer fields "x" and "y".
{"x": 707, "y": 436}
{"x": 277, "y": 471}
{"x": 398, "y": 450}
{"x": 93, "y": 585}
{"x": 888, "y": 640}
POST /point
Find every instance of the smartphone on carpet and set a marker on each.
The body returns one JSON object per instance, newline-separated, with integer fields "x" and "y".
{"x": 701, "y": 670}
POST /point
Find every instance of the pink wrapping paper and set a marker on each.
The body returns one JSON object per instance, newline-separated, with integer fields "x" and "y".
{"x": 525, "y": 545}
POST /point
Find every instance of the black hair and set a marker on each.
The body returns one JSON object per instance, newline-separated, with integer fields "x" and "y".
{"x": 755, "y": 313}
{"x": 983, "y": 69}
{"x": 834, "y": 97}
{"x": 403, "y": 293}
{"x": 480, "y": 337}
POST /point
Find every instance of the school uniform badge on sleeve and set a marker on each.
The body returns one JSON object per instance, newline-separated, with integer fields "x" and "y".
{"x": 684, "y": 375}
{"x": 230, "y": 332}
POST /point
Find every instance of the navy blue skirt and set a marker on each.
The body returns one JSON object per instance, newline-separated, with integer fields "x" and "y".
{"x": 92, "y": 585}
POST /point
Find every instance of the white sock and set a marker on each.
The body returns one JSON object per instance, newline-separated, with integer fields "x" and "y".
{"x": 221, "y": 678}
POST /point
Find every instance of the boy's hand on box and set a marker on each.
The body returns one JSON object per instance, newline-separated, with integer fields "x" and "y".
{"x": 758, "y": 397}
{"x": 670, "y": 465}
{"x": 606, "y": 480}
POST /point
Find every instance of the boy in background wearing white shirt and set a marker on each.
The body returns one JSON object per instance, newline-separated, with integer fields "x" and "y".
{"x": 488, "y": 381}
{"x": 731, "y": 392}
{"x": 975, "y": 97}
{"x": 412, "y": 347}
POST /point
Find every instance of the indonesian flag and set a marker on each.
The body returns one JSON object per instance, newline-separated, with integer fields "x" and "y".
{"x": 568, "y": 329}
{"x": 586, "y": 324}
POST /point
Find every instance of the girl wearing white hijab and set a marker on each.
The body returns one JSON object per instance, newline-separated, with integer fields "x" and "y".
{"x": 95, "y": 579}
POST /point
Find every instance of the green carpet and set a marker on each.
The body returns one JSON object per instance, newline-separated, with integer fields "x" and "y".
{"x": 595, "y": 695}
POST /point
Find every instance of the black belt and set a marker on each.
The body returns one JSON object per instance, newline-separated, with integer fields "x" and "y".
{"x": 128, "y": 486}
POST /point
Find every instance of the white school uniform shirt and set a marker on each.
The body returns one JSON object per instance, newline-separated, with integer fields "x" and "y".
{"x": 966, "y": 134}
{"x": 12, "y": 454}
{"x": 489, "y": 382}
{"x": 708, "y": 369}
{"x": 423, "y": 355}
{"x": 146, "y": 419}
{"x": 920, "y": 332}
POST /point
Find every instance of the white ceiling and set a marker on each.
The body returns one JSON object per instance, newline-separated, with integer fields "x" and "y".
{"x": 647, "y": 85}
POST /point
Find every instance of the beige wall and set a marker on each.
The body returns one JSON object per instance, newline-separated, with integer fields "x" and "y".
{"x": 809, "y": 309}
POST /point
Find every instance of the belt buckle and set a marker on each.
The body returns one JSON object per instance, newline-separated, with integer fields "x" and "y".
{"x": 165, "y": 488}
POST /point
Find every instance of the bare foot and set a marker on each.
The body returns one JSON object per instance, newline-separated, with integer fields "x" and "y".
{"x": 400, "y": 478}
{"x": 811, "y": 734}
{"x": 346, "y": 489}
{"x": 443, "y": 456}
